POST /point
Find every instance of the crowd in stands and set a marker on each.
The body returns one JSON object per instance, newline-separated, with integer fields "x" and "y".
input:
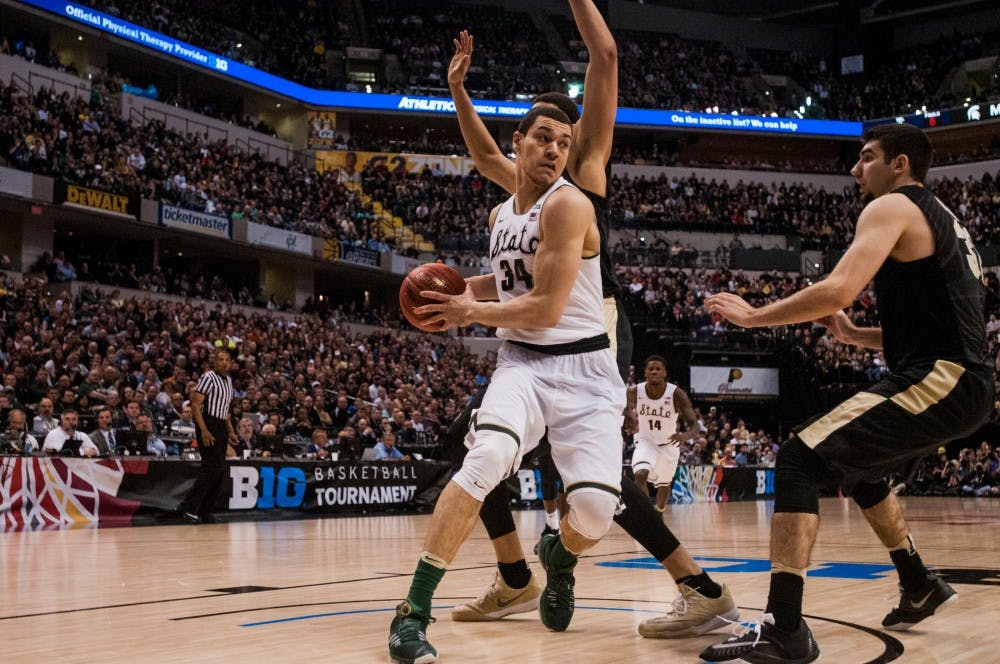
{"x": 821, "y": 219}
{"x": 910, "y": 79}
{"x": 975, "y": 471}
{"x": 512, "y": 57}
{"x": 89, "y": 144}
{"x": 659, "y": 70}
{"x": 141, "y": 356}
{"x": 106, "y": 268}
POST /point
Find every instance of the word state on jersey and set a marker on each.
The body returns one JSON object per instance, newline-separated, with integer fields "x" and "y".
{"x": 657, "y": 423}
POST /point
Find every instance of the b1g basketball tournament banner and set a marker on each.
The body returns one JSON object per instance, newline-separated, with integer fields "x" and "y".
{"x": 322, "y": 129}
{"x": 734, "y": 383}
{"x": 95, "y": 199}
{"x": 692, "y": 484}
{"x": 397, "y": 163}
{"x": 38, "y": 493}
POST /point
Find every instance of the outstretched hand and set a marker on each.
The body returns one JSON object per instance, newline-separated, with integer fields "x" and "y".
{"x": 460, "y": 62}
{"x": 732, "y": 307}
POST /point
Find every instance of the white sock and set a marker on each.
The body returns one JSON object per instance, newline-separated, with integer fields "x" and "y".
{"x": 552, "y": 520}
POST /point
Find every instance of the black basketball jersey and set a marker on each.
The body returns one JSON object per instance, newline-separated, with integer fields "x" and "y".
{"x": 609, "y": 280}
{"x": 932, "y": 308}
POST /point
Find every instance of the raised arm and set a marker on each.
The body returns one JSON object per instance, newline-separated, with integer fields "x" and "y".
{"x": 593, "y": 136}
{"x": 490, "y": 161}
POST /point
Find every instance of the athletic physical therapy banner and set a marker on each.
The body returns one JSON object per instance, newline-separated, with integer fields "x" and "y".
{"x": 397, "y": 163}
{"x": 40, "y": 493}
{"x": 195, "y": 222}
{"x": 95, "y": 199}
{"x": 729, "y": 383}
{"x": 359, "y": 101}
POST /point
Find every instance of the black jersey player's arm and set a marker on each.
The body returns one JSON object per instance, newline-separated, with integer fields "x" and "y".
{"x": 631, "y": 416}
{"x": 484, "y": 286}
{"x": 489, "y": 160}
{"x": 593, "y": 134}
{"x": 880, "y": 227}
{"x": 683, "y": 405}
{"x": 845, "y": 331}
{"x": 568, "y": 232}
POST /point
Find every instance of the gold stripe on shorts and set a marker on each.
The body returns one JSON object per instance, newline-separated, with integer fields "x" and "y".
{"x": 934, "y": 387}
{"x": 839, "y": 417}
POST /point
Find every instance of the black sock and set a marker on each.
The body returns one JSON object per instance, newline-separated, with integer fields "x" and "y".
{"x": 515, "y": 575}
{"x": 912, "y": 574}
{"x": 784, "y": 601}
{"x": 702, "y": 583}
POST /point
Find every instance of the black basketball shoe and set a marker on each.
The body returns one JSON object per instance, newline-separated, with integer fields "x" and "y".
{"x": 764, "y": 643}
{"x": 916, "y": 605}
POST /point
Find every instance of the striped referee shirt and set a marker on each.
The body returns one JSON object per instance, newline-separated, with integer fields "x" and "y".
{"x": 218, "y": 391}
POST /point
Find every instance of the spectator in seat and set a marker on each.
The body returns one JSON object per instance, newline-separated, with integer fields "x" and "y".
{"x": 66, "y": 430}
{"x": 319, "y": 444}
{"x": 386, "y": 450}
{"x": 17, "y": 433}
{"x": 154, "y": 445}
{"x": 44, "y": 422}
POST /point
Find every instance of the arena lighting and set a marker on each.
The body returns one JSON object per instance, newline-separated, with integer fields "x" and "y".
{"x": 367, "y": 101}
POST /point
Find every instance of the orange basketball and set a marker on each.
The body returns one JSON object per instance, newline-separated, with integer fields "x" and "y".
{"x": 431, "y": 277}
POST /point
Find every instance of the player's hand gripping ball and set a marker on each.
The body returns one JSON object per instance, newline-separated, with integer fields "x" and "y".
{"x": 427, "y": 277}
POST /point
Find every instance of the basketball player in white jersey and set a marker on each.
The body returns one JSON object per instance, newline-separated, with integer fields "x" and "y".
{"x": 554, "y": 369}
{"x": 652, "y": 410}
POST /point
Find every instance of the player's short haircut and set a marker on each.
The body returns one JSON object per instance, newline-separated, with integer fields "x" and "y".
{"x": 561, "y": 101}
{"x": 541, "y": 111}
{"x": 897, "y": 139}
{"x": 656, "y": 358}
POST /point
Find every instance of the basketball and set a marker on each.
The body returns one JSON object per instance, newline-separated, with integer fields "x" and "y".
{"x": 429, "y": 276}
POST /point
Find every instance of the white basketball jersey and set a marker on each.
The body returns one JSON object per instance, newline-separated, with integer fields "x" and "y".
{"x": 657, "y": 417}
{"x": 513, "y": 243}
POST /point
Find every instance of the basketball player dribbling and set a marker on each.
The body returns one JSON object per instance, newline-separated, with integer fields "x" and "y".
{"x": 703, "y": 604}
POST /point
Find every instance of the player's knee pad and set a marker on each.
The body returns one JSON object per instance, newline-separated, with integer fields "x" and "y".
{"x": 550, "y": 477}
{"x": 495, "y": 512}
{"x": 487, "y": 464}
{"x": 796, "y": 479}
{"x": 869, "y": 494}
{"x": 591, "y": 512}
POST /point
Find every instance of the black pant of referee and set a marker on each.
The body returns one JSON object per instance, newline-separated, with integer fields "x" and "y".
{"x": 201, "y": 500}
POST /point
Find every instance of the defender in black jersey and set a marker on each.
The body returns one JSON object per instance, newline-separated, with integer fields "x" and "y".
{"x": 707, "y": 604}
{"x": 930, "y": 295}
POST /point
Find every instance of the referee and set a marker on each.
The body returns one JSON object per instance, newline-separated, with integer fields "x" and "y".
{"x": 210, "y": 402}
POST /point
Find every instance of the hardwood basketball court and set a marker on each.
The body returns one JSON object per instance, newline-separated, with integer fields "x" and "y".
{"x": 324, "y": 590}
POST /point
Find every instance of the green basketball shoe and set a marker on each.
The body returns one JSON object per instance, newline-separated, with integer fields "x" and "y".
{"x": 555, "y": 607}
{"x": 407, "y": 637}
